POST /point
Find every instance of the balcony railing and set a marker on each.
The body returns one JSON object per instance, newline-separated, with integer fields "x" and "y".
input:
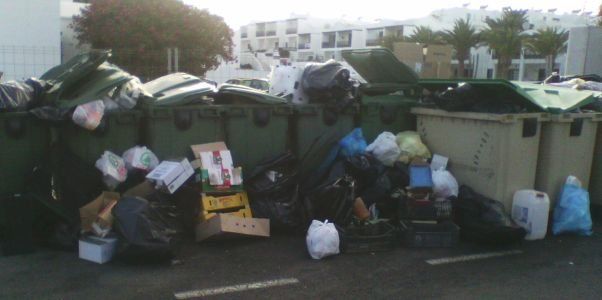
{"x": 304, "y": 46}
{"x": 260, "y": 33}
{"x": 343, "y": 44}
{"x": 328, "y": 44}
{"x": 291, "y": 30}
{"x": 270, "y": 33}
{"x": 243, "y": 35}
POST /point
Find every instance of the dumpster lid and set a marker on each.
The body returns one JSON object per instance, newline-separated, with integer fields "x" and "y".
{"x": 93, "y": 86}
{"x": 556, "y": 99}
{"x": 170, "y": 81}
{"x": 182, "y": 93}
{"x": 380, "y": 68}
{"x": 65, "y": 76}
{"x": 532, "y": 96}
{"x": 245, "y": 94}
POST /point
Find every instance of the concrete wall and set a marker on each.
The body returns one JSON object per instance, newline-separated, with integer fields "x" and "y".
{"x": 30, "y": 37}
{"x": 584, "y": 51}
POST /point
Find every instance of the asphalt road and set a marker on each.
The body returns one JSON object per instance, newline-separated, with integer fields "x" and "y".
{"x": 558, "y": 267}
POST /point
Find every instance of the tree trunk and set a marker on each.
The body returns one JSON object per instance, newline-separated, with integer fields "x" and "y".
{"x": 461, "y": 67}
{"x": 550, "y": 60}
{"x": 503, "y": 65}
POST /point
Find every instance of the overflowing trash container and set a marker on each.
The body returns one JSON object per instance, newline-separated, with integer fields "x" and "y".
{"x": 388, "y": 94}
{"x": 25, "y": 143}
{"x": 116, "y": 132}
{"x": 494, "y": 154}
{"x": 180, "y": 114}
{"x": 256, "y": 124}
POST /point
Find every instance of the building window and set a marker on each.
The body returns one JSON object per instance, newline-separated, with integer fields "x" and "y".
{"x": 260, "y": 29}
{"x": 374, "y": 36}
{"x": 329, "y": 39}
{"x": 270, "y": 29}
{"x": 304, "y": 41}
{"x": 344, "y": 39}
{"x": 292, "y": 26}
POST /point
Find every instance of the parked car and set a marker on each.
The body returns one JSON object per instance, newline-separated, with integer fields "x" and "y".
{"x": 256, "y": 83}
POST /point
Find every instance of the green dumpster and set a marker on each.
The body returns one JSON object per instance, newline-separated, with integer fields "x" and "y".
{"x": 117, "y": 132}
{"x": 180, "y": 115}
{"x": 25, "y": 143}
{"x": 316, "y": 127}
{"x": 389, "y": 93}
{"x": 256, "y": 124}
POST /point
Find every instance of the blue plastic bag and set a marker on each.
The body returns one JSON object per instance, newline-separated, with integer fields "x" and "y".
{"x": 353, "y": 143}
{"x": 572, "y": 214}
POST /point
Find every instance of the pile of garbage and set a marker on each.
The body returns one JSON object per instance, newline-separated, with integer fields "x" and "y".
{"x": 138, "y": 206}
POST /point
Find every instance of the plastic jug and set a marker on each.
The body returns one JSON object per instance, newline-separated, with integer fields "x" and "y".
{"x": 530, "y": 211}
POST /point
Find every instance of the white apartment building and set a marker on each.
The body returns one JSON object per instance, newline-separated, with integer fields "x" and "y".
{"x": 311, "y": 39}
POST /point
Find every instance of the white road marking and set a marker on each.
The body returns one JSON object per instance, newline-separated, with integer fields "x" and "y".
{"x": 235, "y": 288}
{"x": 463, "y": 258}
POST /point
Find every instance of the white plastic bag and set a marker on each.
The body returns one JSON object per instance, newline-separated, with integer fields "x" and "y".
{"x": 411, "y": 146}
{"x": 89, "y": 115}
{"x": 113, "y": 168}
{"x": 322, "y": 239}
{"x": 385, "y": 149}
{"x": 140, "y": 158}
{"x": 444, "y": 184}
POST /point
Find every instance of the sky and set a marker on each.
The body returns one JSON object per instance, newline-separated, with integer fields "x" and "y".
{"x": 241, "y": 12}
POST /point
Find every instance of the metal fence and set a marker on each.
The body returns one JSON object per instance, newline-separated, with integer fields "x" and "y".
{"x": 22, "y": 62}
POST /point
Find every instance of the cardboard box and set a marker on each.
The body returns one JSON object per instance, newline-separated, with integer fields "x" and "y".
{"x": 96, "y": 249}
{"x": 223, "y": 225}
{"x": 98, "y": 210}
{"x": 432, "y": 61}
{"x": 208, "y": 188}
{"x": 438, "y": 53}
{"x": 213, "y": 203}
{"x": 217, "y": 146}
{"x": 168, "y": 176}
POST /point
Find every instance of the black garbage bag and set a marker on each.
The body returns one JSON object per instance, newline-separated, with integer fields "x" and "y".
{"x": 21, "y": 95}
{"x": 331, "y": 201}
{"x": 146, "y": 233}
{"x": 365, "y": 170}
{"x": 273, "y": 189}
{"x": 328, "y": 81}
{"x": 461, "y": 98}
{"x": 484, "y": 220}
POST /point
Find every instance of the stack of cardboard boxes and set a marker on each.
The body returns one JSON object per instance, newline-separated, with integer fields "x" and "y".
{"x": 225, "y": 208}
{"x": 428, "y": 61}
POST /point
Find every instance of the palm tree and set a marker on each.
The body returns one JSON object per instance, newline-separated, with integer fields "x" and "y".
{"x": 548, "y": 42}
{"x": 462, "y": 37}
{"x": 504, "y": 36}
{"x": 600, "y": 16}
{"x": 425, "y": 35}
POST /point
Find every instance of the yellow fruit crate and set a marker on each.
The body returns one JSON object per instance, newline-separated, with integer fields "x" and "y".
{"x": 220, "y": 203}
{"x": 242, "y": 213}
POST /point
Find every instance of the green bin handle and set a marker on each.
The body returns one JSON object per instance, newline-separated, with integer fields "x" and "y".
{"x": 236, "y": 111}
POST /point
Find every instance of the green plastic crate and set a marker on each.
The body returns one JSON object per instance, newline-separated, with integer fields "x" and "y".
{"x": 256, "y": 132}
{"x": 316, "y": 122}
{"x": 25, "y": 142}
{"x": 116, "y": 133}
{"x": 386, "y": 113}
{"x": 170, "y": 131}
